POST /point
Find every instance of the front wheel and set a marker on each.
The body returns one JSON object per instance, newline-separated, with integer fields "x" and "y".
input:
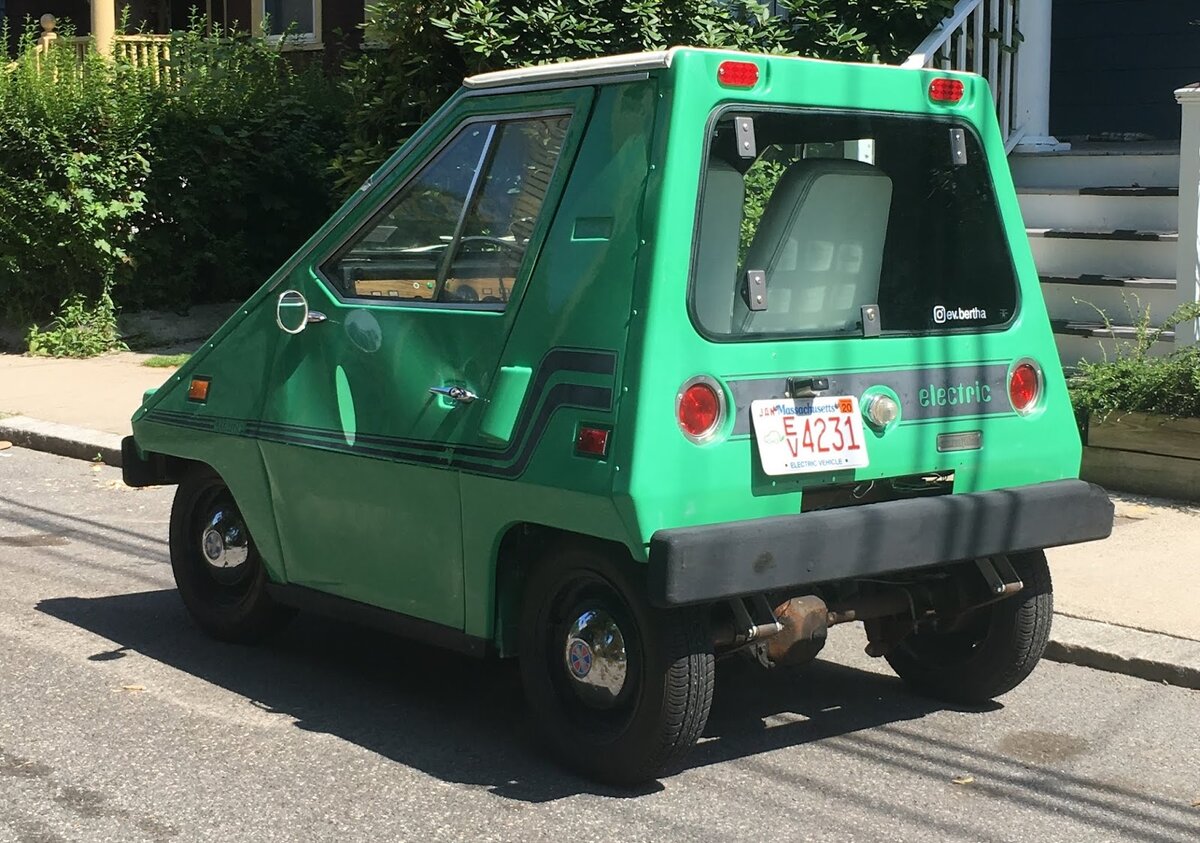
{"x": 618, "y": 690}
{"x": 218, "y": 570}
{"x": 989, "y": 651}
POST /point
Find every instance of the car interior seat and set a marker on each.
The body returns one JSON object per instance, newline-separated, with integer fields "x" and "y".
{"x": 820, "y": 242}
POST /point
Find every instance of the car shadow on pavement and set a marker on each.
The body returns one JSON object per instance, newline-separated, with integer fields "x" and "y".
{"x": 462, "y": 720}
{"x": 457, "y": 718}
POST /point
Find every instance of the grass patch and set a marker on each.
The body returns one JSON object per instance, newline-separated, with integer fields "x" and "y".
{"x": 166, "y": 361}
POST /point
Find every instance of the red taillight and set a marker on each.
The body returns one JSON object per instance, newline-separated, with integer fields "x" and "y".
{"x": 592, "y": 441}
{"x": 699, "y": 408}
{"x": 738, "y": 74}
{"x": 1024, "y": 387}
{"x": 946, "y": 90}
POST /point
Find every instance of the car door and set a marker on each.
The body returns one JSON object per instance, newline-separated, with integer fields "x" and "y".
{"x": 394, "y": 333}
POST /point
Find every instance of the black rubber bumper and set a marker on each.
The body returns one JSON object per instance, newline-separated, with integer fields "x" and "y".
{"x": 701, "y": 564}
{"x": 139, "y": 472}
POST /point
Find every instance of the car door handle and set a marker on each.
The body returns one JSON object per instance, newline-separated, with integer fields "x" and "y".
{"x": 315, "y": 317}
{"x": 454, "y": 393}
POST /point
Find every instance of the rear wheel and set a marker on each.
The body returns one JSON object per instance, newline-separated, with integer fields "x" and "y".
{"x": 989, "y": 651}
{"x": 618, "y": 690}
{"x": 218, "y": 570}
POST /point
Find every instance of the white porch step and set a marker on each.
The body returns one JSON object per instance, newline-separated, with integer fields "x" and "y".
{"x": 1143, "y": 165}
{"x": 1129, "y": 282}
{"x": 1139, "y": 235}
{"x": 1100, "y": 208}
{"x": 1102, "y": 223}
{"x": 1078, "y": 303}
{"x": 1076, "y": 346}
{"x": 1098, "y": 330}
{"x": 1065, "y": 256}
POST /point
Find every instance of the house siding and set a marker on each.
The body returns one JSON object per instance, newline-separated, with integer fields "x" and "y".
{"x": 1115, "y": 65}
{"x": 77, "y": 12}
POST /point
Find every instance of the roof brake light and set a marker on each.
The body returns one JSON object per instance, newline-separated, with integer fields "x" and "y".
{"x": 738, "y": 74}
{"x": 946, "y": 90}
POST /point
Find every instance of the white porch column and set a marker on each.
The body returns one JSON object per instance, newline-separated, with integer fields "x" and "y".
{"x": 1031, "y": 111}
{"x": 104, "y": 25}
{"x": 1188, "y": 269}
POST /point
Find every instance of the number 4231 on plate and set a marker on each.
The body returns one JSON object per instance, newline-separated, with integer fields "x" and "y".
{"x": 800, "y": 435}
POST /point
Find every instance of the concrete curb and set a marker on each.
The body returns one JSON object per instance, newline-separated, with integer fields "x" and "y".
{"x": 1120, "y": 649}
{"x": 62, "y": 439}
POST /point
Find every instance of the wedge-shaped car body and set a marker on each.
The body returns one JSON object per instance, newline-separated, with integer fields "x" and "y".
{"x": 625, "y": 364}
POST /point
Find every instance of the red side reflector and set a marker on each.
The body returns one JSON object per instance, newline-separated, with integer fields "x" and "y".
{"x": 592, "y": 441}
{"x": 945, "y": 90}
{"x": 738, "y": 74}
{"x": 198, "y": 389}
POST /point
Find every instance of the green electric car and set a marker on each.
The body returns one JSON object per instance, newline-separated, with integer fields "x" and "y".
{"x": 625, "y": 365}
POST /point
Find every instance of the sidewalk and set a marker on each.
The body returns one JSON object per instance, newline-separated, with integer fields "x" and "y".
{"x": 100, "y": 393}
{"x": 1127, "y": 604}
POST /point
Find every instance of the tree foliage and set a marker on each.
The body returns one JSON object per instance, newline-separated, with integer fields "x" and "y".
{"x": 428, "y": 46}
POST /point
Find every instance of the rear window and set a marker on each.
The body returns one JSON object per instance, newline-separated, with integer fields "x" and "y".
{"x": 843, "y": 211}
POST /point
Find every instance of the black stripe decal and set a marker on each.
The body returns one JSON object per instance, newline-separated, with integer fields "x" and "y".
{"x": 527, "y": 432}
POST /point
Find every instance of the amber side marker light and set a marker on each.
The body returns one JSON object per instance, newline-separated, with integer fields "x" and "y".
{"x": 198, "y": 389}
{"x": 738, "y": 74}
{"x": 946, "y": 90}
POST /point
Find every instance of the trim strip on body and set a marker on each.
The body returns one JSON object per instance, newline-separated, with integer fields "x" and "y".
{"x": 539, "y": 407}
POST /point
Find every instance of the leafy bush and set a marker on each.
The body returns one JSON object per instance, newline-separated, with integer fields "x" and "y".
{"x": 862, "y": 30}
{"x": 167, "y": 193}
{"x": 239, "y": 170}
{"x": 1135, "y": 381}
{"x": 79, "y": 330}
{"x": 73, "y": 165}
{"x": 432, "y": 44}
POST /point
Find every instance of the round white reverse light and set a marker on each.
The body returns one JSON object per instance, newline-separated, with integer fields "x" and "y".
{"x": 881, "y": 410}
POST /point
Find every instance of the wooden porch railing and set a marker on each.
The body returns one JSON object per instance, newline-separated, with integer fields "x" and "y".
{"x": 149, "y": 51}
{"x": 979, "y": 36}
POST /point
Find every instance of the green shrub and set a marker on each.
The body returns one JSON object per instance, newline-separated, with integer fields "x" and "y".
{"x": 239, "y": 170}
{"x": 80, "y": 329}
{"x": 862, "y": 30}
{"x": 166, "y": 194}
{"x": 73, "y": 165}
{"x": 1135, "y": 381}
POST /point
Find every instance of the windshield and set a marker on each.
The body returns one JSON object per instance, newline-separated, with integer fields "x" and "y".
{"x": 840, "y": 212}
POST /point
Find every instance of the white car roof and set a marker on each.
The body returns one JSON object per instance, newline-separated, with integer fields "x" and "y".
{"x": 627, "y": 63}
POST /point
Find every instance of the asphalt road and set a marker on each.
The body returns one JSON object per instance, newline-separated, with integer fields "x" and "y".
{"x": 119, "y": 721}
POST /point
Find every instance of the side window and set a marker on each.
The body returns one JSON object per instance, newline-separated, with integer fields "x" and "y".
{"x": 458, "y": 231}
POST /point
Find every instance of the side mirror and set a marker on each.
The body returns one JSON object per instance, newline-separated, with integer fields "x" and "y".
{"x": 291, "y": 312}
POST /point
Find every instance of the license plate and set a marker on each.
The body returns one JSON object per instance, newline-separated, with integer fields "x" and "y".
{"x": 801, "y": 435}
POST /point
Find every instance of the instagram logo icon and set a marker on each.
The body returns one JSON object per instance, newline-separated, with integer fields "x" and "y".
{"x": 939, "y": 314}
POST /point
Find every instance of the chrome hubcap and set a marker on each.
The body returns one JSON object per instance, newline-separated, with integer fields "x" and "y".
{"x": 595, "y": 658}
{"x": 225, "y": 541}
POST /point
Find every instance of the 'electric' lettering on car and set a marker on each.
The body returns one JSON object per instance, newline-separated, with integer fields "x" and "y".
{"x": 940, "y": 396}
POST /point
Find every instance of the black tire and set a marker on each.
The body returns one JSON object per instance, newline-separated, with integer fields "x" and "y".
{"x": 663, "y": 704}
{"x": 231, "y": 604}
{"x": 991, "y": 651}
